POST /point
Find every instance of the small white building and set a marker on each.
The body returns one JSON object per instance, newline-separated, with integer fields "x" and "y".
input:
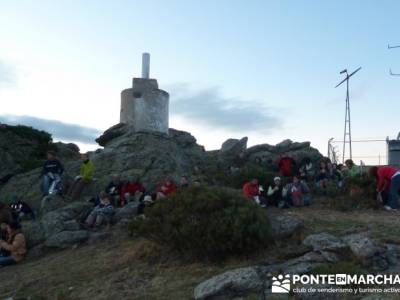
{"x": 144, "y": 106}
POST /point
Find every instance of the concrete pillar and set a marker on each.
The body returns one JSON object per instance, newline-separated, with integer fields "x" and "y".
{"x": 146, "y": 65}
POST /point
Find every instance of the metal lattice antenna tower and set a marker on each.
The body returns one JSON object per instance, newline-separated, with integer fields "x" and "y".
{"x": 390, "y": 70}
{"x": 347, "y": 118}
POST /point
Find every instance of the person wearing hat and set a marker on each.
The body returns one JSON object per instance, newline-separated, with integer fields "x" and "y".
{"x": 15, "y": 244}
{"x": 274, "y": 194}
{"x": 147, "y": 201}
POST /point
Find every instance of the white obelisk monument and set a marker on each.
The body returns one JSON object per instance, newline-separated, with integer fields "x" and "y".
{"x": 144, "y": 106}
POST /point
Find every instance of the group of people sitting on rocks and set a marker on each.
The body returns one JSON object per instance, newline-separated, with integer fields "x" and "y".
{"x": 291, "y": 187}
{"x": 119, "y": 193}
{"x": 294, "y": 193}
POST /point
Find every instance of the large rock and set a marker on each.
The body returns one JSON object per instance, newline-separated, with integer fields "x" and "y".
{"x": 362, "y": 246}
{"x": 231, "y": 283}
{"x": 284, "y": 226}
{"x": 234, "y": 147}
{"x": 151, "y": 156}
{"x": 329, "y": 246}
{"x": 112, "y": 133}
{"x": 66, "y": 239}
{"x": 33, "y": 232}
{"x": 50, "y": 203}
{"x": 325, "y": 242}
{"x": 250, "y": 280}
{"x": 129, "y": 211}
{"x": 284, "y": 144}
{"x": 59, "y": 220}
{"x": 299, "y": 265}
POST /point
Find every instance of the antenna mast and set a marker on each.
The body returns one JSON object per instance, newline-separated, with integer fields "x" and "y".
{"x": 347, "y": 118}
{"x": 390, "y": 70}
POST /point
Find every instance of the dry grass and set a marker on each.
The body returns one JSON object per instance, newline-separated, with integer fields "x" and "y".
{"x": 119, "y": 269}
{"x": 122, "y": 268}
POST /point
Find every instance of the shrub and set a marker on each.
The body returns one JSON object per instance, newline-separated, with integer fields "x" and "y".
{"x": 206, "y": 222}
{"x": 35, "y": 144}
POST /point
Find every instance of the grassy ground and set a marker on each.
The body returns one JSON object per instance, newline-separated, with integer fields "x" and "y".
{"x": 122, "y": 268}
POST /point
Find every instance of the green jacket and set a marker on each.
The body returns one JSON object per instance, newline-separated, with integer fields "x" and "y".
{"x": 354, "y": 171}
{"x": 87, "y": 170}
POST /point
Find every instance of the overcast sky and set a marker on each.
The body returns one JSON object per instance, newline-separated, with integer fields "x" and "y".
{"x": 262, "y": 69}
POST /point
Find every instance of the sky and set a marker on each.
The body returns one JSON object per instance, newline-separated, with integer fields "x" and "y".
{"x": 257, "y": 68}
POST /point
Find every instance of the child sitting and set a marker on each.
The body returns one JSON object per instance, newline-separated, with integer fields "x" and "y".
{"x": 102, "y": 213}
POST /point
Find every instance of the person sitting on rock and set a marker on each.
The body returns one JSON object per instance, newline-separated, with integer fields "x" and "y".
{"x": 15, "y": 244}
{"x": 388, "y": 181}
{"x": 306, "y": 169}
{"x": 286, "y": 166}
{"x": 322, "y": 175}
{"x": 184, "y": 183}
{"x": 131, "y": 190}
{"x": 84, "y": 178}
{"x": 274, "y": 193}
{"x": 22, "y": 210}
{"x": 297, "y": 192}
{"x": 252, "y": 191}
{"x": 114, "y": 189}
{"x": 102, "y": 213}
{"x": 147, "y": 202}
{"x": 166, "y": 190}
{"x": 52, "y": 171}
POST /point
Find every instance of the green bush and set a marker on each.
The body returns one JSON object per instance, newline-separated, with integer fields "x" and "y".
{"x": 32, "y": 152}
{"x": 206, "y": 223}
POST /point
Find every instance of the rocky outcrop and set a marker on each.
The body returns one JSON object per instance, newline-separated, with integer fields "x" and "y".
{"x": 284, "y": 226}
{"x": 257, "y": 280}
{"x": 231, "y": 283}
{"x": 361, "y": 245}
{"x": 67, "y": 239}
{"x": 153, "y": 157}
{"x": 23, "y": 148}
{"x": 234, "y": 146}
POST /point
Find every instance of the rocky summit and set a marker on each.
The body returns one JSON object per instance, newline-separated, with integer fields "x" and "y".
{"x": 151, "y": 156}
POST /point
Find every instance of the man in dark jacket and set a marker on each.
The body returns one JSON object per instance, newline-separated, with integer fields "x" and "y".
{"x": 52, "y": 171}
{"x": 114, "y": 189}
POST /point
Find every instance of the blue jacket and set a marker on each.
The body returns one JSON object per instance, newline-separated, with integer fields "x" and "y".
{"x": 53, "y": 166}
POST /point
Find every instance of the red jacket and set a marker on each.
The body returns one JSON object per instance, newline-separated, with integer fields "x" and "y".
{"x": 167, "y": 189}
{"x": 385, "y": 175}
{"x": 131, "y": 188}
{"x": 251, "y": 190}
{"x": 286, "y": 165}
